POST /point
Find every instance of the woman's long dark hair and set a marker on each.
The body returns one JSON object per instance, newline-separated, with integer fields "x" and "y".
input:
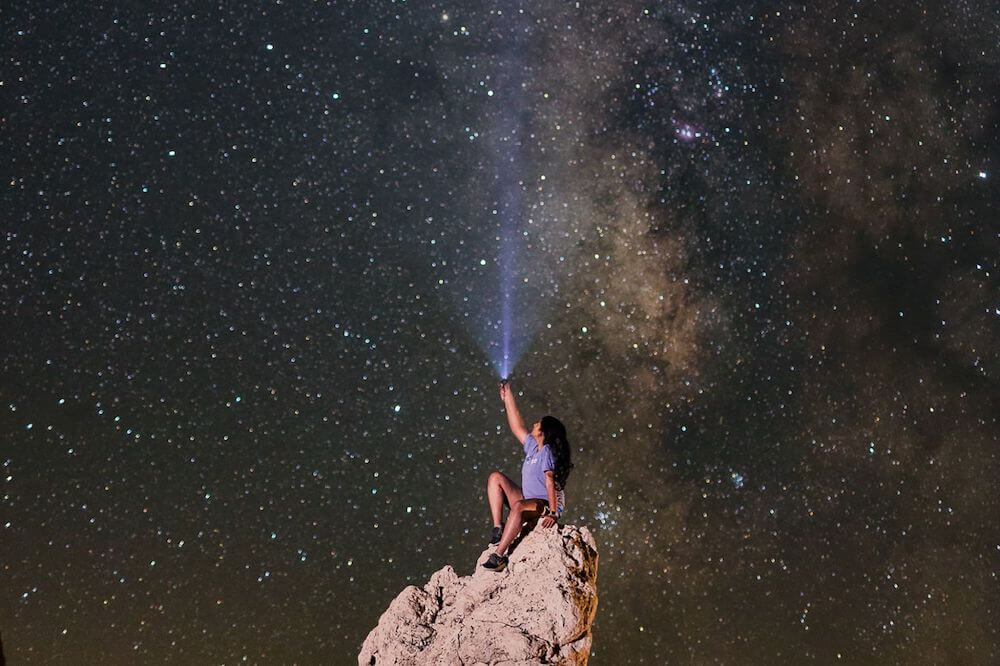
{"x": 554, "y": 435}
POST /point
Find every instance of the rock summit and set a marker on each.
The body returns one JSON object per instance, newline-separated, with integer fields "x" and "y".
{"x": 538, "y": 610}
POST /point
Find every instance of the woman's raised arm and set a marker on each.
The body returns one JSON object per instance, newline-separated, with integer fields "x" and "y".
{"x": 514, "y": 419}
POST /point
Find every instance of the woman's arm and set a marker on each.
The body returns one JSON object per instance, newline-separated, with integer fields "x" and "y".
{"x": 550, "y": 487}
{"x": 513, "y": 416}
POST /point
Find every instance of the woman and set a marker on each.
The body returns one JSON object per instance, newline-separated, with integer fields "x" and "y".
{"x": 543, "y": 477}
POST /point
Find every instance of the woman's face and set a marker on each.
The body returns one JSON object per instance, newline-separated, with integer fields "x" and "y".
{"x": 536, "y": 431}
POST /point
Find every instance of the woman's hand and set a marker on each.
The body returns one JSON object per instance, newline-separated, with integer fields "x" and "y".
{"x": 548, "y": 521}
{"x": 504, "y": 388}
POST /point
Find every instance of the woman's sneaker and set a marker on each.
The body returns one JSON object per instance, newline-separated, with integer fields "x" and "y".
{"x": 495, "y": 563}
{"x": 497, "y": 533}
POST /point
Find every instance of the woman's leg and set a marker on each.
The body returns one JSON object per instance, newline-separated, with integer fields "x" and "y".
{"x": 501, "y": 489}
{"x": 519, "y": 512}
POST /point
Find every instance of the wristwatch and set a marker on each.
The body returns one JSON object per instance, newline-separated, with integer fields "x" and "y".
{"x": 549, "y": 512}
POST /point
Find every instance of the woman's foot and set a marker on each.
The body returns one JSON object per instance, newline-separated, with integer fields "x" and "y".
{"x": 497, "y": 533}
{"x": 495, "y": 563}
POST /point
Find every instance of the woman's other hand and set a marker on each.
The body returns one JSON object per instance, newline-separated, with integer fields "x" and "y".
{"x": 548, "y": 521}
{"x": 503, "y": 390}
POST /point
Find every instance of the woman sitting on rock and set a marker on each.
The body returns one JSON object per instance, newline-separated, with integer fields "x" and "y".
{"x": 543, "y": 477}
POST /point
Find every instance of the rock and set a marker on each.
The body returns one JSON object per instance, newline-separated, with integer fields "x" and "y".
{"x": 537, "y": 610}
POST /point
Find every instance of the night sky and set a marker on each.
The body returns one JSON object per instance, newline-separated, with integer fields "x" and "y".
{"x": 249, "y": 279}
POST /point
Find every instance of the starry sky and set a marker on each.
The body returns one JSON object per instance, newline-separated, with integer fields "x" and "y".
{"x": 249, "y": 271}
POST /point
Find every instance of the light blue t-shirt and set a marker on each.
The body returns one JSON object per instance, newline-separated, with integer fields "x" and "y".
{"x": 536, "y": 463}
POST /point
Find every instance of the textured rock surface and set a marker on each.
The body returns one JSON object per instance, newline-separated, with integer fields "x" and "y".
{"x": 538, "y": 610}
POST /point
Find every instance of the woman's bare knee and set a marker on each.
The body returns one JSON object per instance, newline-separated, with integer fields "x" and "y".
{"x": 495, "y": 478}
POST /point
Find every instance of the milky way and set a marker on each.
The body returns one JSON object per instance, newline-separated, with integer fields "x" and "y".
{"x": 247, "y": 264}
